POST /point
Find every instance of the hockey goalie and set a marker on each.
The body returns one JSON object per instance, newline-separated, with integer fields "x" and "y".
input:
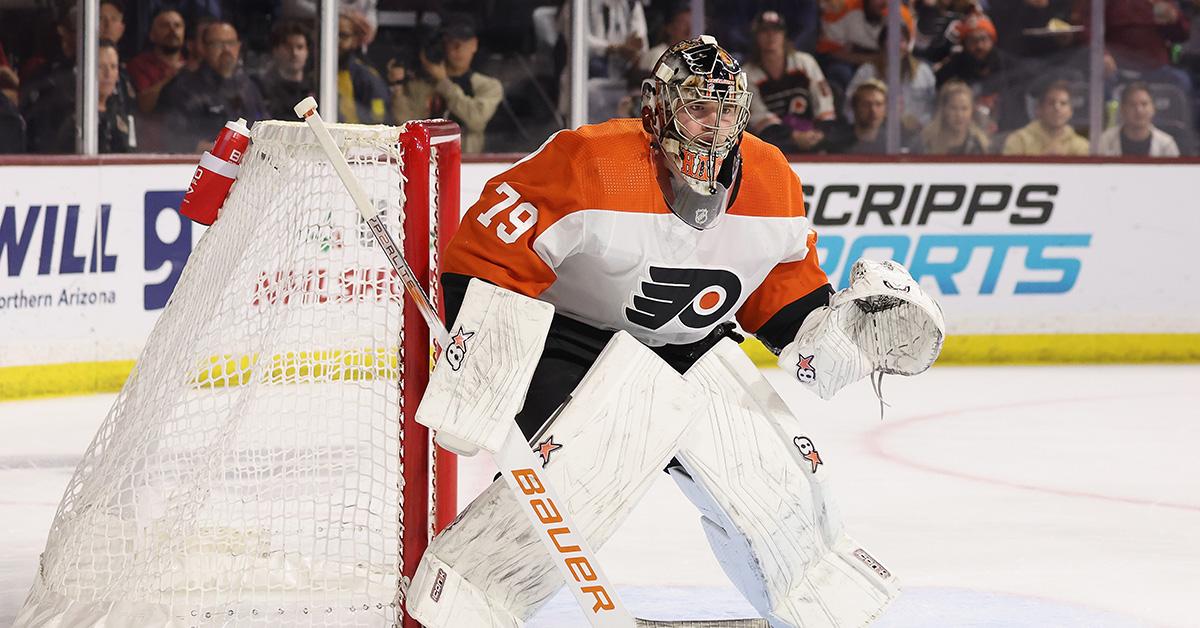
{"x": 592, "y": 292}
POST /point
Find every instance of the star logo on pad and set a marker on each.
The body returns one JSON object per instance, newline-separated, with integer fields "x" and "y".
{"x": 805, "y": 371}
{"x": 547, "y": 447}
{"x": 457, "y": 351}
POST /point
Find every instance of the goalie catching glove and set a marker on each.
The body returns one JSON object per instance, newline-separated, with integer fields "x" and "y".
{"x": 883, "y": 322}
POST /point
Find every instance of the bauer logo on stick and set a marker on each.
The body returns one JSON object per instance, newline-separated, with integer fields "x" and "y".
{"x": 808, "y": 451}
{"x": 456, "y": 353}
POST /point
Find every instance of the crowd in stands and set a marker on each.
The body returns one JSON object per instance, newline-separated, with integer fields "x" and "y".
{"x": 976, "y": 76}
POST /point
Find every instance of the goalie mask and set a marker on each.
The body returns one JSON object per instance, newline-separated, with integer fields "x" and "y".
{"x": 696, "y": 107}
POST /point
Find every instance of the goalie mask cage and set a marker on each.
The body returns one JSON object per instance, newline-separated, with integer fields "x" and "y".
{"x": 261, "y": 465}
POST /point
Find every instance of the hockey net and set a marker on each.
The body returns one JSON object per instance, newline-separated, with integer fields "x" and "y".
{"x": 260, "y": 465}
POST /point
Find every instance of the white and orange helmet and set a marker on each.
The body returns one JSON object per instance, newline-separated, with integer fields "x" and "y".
{"x": 696, "y": 106}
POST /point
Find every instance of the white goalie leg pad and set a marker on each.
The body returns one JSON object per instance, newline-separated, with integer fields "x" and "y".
{"x": 759, "y": 482}
{"x": 480, "y": 380}
{"x": 884, "y": 321}
{"x": 619, "y": 427}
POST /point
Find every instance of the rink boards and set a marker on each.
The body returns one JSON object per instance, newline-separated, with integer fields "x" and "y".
{"x": 1031, "y": 262}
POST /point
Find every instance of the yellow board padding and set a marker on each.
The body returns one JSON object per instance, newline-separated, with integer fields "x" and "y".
{"x": 300, "y": 367}
{"x": 1049, "y": 349}
{"x": 57, "y": 380}
{"x": 78, "y": 378}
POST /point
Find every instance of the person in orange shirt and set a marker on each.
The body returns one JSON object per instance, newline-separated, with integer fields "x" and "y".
{"x": 673, "y": 229}
{"x": 850, "y": 35}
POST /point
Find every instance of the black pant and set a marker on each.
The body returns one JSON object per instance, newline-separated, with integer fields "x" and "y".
{"x": 571, "y": 349}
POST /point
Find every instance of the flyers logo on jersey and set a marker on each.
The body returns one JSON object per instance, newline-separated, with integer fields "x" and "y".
{"x": 697, "y": 297}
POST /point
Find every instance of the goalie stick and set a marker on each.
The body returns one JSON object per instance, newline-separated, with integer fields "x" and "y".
{"x": 561, "y": 538}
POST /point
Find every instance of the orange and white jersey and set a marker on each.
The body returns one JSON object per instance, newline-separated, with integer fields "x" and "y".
{"x": 581, "y": 223}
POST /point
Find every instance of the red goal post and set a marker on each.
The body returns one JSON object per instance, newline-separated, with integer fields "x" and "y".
{"x": 432, "y": 165}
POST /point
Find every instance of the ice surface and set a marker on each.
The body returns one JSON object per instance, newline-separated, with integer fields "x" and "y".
{"x": 1002, "y": 496}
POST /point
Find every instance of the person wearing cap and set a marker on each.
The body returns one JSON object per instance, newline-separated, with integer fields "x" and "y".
{"x": 450, "y": 88}
{"x": 791, "y": 99}
{"x": 993, "y": 74}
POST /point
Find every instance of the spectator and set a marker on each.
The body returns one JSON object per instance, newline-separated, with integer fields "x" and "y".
{"x": 283, "y": 82}
{"x": 616, "y": 40}
{"x": 733, "y": 23}
{"x": 1139, "y": 34}
{"x": 198, "y": 103}
{"x": 150, "y": 72}
{"x": 1036, "y": 32}
{"x": 451, "y": 89}
{"x": 194, "y": 12}
{"x": 39, "y": 66}
{"x": 305, "y": 11}
{"x": 112, "y": 21}
{"x": 1136, "y": 135}
{"x": 12, "y": 126}
{"x": 47, "y": 95}
{"x": 954, "y": 130}
{"x": 865, "y": 135}
{"x": 194, "y": 38}
{"x": 790, "y": 96}
{"x": 157, "y": 65}
{"x": 935, "y": 34}
{"x": 1051, "y": 133}
{"x": 990, "y": 72}
{"x": 362, "y": 94}
{"x": 676, "y": 27}
{"x": 116, "y": 102}
{"x": 10, "y": 85}
{"x": 850, "y": 34}
{"x": 918, "y": 84}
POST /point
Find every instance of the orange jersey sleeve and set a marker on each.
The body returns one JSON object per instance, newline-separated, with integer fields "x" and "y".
{"x": 597, "y": 166}
{"x": 786, "y": 283}
{"x": 495, "y": 240}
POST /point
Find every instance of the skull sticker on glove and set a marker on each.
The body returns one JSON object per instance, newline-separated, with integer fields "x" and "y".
{"x": 808, "y": 451}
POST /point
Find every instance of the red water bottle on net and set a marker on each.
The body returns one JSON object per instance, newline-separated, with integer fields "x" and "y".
{"x": 216, "y": 173}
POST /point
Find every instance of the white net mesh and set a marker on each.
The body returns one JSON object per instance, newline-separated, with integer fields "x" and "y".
{"x": 249, "y": 472}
